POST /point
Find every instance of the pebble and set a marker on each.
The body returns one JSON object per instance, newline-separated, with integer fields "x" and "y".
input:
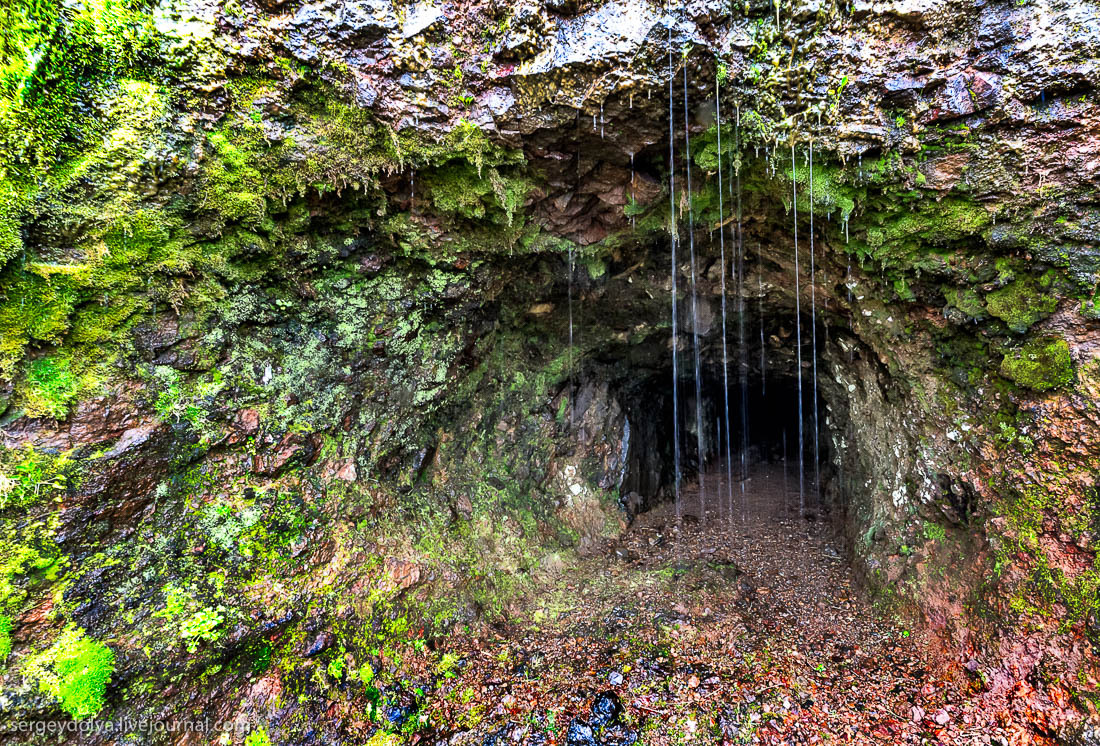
{"x": 606, "y": 709}
{"x": 580, "y": 734}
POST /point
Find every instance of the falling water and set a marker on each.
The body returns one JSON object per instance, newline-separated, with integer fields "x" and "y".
{"x": 848, "y": 283}
{"x": 632, "y": 197}
{"x": 760, "y": 299}
{"x": 673, "y": 237}
{"x": 798, "y": 336}
{"x": 813, "y": 325}
{"x": 741, "y": 355}
{"x": 786, "y": 486}
{"x": 725, "y": 353}
{"x": 718, "y": 450}
{"x": 742, "y": 350}
{"x": 601, "y": 121}
{"x": 572, "y": 385}
{"x": 694, "y": 314}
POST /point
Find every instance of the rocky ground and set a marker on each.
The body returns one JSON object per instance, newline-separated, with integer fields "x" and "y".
{"x": 745, "y": 628}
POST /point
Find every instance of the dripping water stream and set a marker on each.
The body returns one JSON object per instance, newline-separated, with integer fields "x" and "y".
{"x": 742, "y": 350}
{"x": 798, "y": 334}
{"x": 725, "y": 351}
{"x": 572, "y": 383}
{"x": 813, "y": 326}
{"x": 699, "y": 440}
{"x": 760, "y": 298}
{"x": 741, "y": 357}
{"x": 672, "y": 231}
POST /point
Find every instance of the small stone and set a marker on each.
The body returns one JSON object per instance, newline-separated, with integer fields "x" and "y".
{"x": 320, "y": 643}
{"x": 615, "y": 679}
{"x": 606, "y": 709}
{"x": 941, "y": 717}
{"x": 580, "y": 734}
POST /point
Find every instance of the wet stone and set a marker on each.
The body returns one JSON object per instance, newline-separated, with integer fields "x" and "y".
{"x": 320, "y": 643}
{"x": 580, "y": 734}
{"x": 606, "y": 709}
{"x": 399, "y": 707}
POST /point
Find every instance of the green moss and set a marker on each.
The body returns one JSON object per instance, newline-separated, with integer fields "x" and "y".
{"x": 830, "y": 194}
{"x": 84, "y": 307}
{"x": 13, "y": 203}
{"x": 461, "y": 190}
{"x": 901, "y": 287}
{"x": 235, "y": 187}
{"x": 1041, "y": 364}
{"x": 50, "y": 386}
{"x": 1020, "y": 304}
{"x": 51, "y": 56}
{"x": 384, "y": 738}
{"x": 29, "y": 475}
{"x": 75, "y": 670}
{"x": 934, "y": 531}
{"x": 5, "y": 638}
{"x": 1028, "y": 513}
{"x": 949, "y": 220}
{"x": 258, "y": 737}
{"x": 966, "y": 300}
{"x": 1090, "y": 307}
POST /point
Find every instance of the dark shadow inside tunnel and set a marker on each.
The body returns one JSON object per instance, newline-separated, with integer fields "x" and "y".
{"x": 762, "y": 428}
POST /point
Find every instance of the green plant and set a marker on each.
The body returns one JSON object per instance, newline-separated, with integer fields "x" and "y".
{"x": 75, "y": 670}
{"x": 261, "y": 659}
{"x": 193, "y": 627}
{"x": 447, "y": 664}
{"x": 5, "y": 637}
{"x": 835, "y": 93}
{"x": 51, "y": 386}
{"x": 934, "y": 531}
{"x": 336, "y": 667}
{"x": 1041, "y": 364}
{"x": 27, "y": 475}
{"x": 258, "y": 737}
{"x": 201, "y": 626}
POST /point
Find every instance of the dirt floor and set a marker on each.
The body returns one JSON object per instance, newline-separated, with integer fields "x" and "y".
{"x": 745, "y": 627}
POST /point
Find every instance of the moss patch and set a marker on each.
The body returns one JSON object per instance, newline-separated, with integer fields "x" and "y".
{"x": 75, "y": 670}
{"x": 1020, "y": 304}
{"x": 1041, "y": 364}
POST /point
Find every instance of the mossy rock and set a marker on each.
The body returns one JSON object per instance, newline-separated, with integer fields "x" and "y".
{"x": 966, "y": 300}
{"x": 1090, "y": 307}
{"x": 1020, "y": 304}
{"x": 1041, "y": 365}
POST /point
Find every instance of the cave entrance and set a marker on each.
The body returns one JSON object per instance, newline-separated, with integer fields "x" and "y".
{"x": 759, "y": 442}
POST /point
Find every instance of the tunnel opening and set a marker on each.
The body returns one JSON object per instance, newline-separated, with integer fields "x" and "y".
{"x": 618, "y": 319}
{"x": 759, "y": 431}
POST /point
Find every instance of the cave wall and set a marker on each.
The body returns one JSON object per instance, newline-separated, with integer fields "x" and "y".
{"x": 285, "y": 367}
